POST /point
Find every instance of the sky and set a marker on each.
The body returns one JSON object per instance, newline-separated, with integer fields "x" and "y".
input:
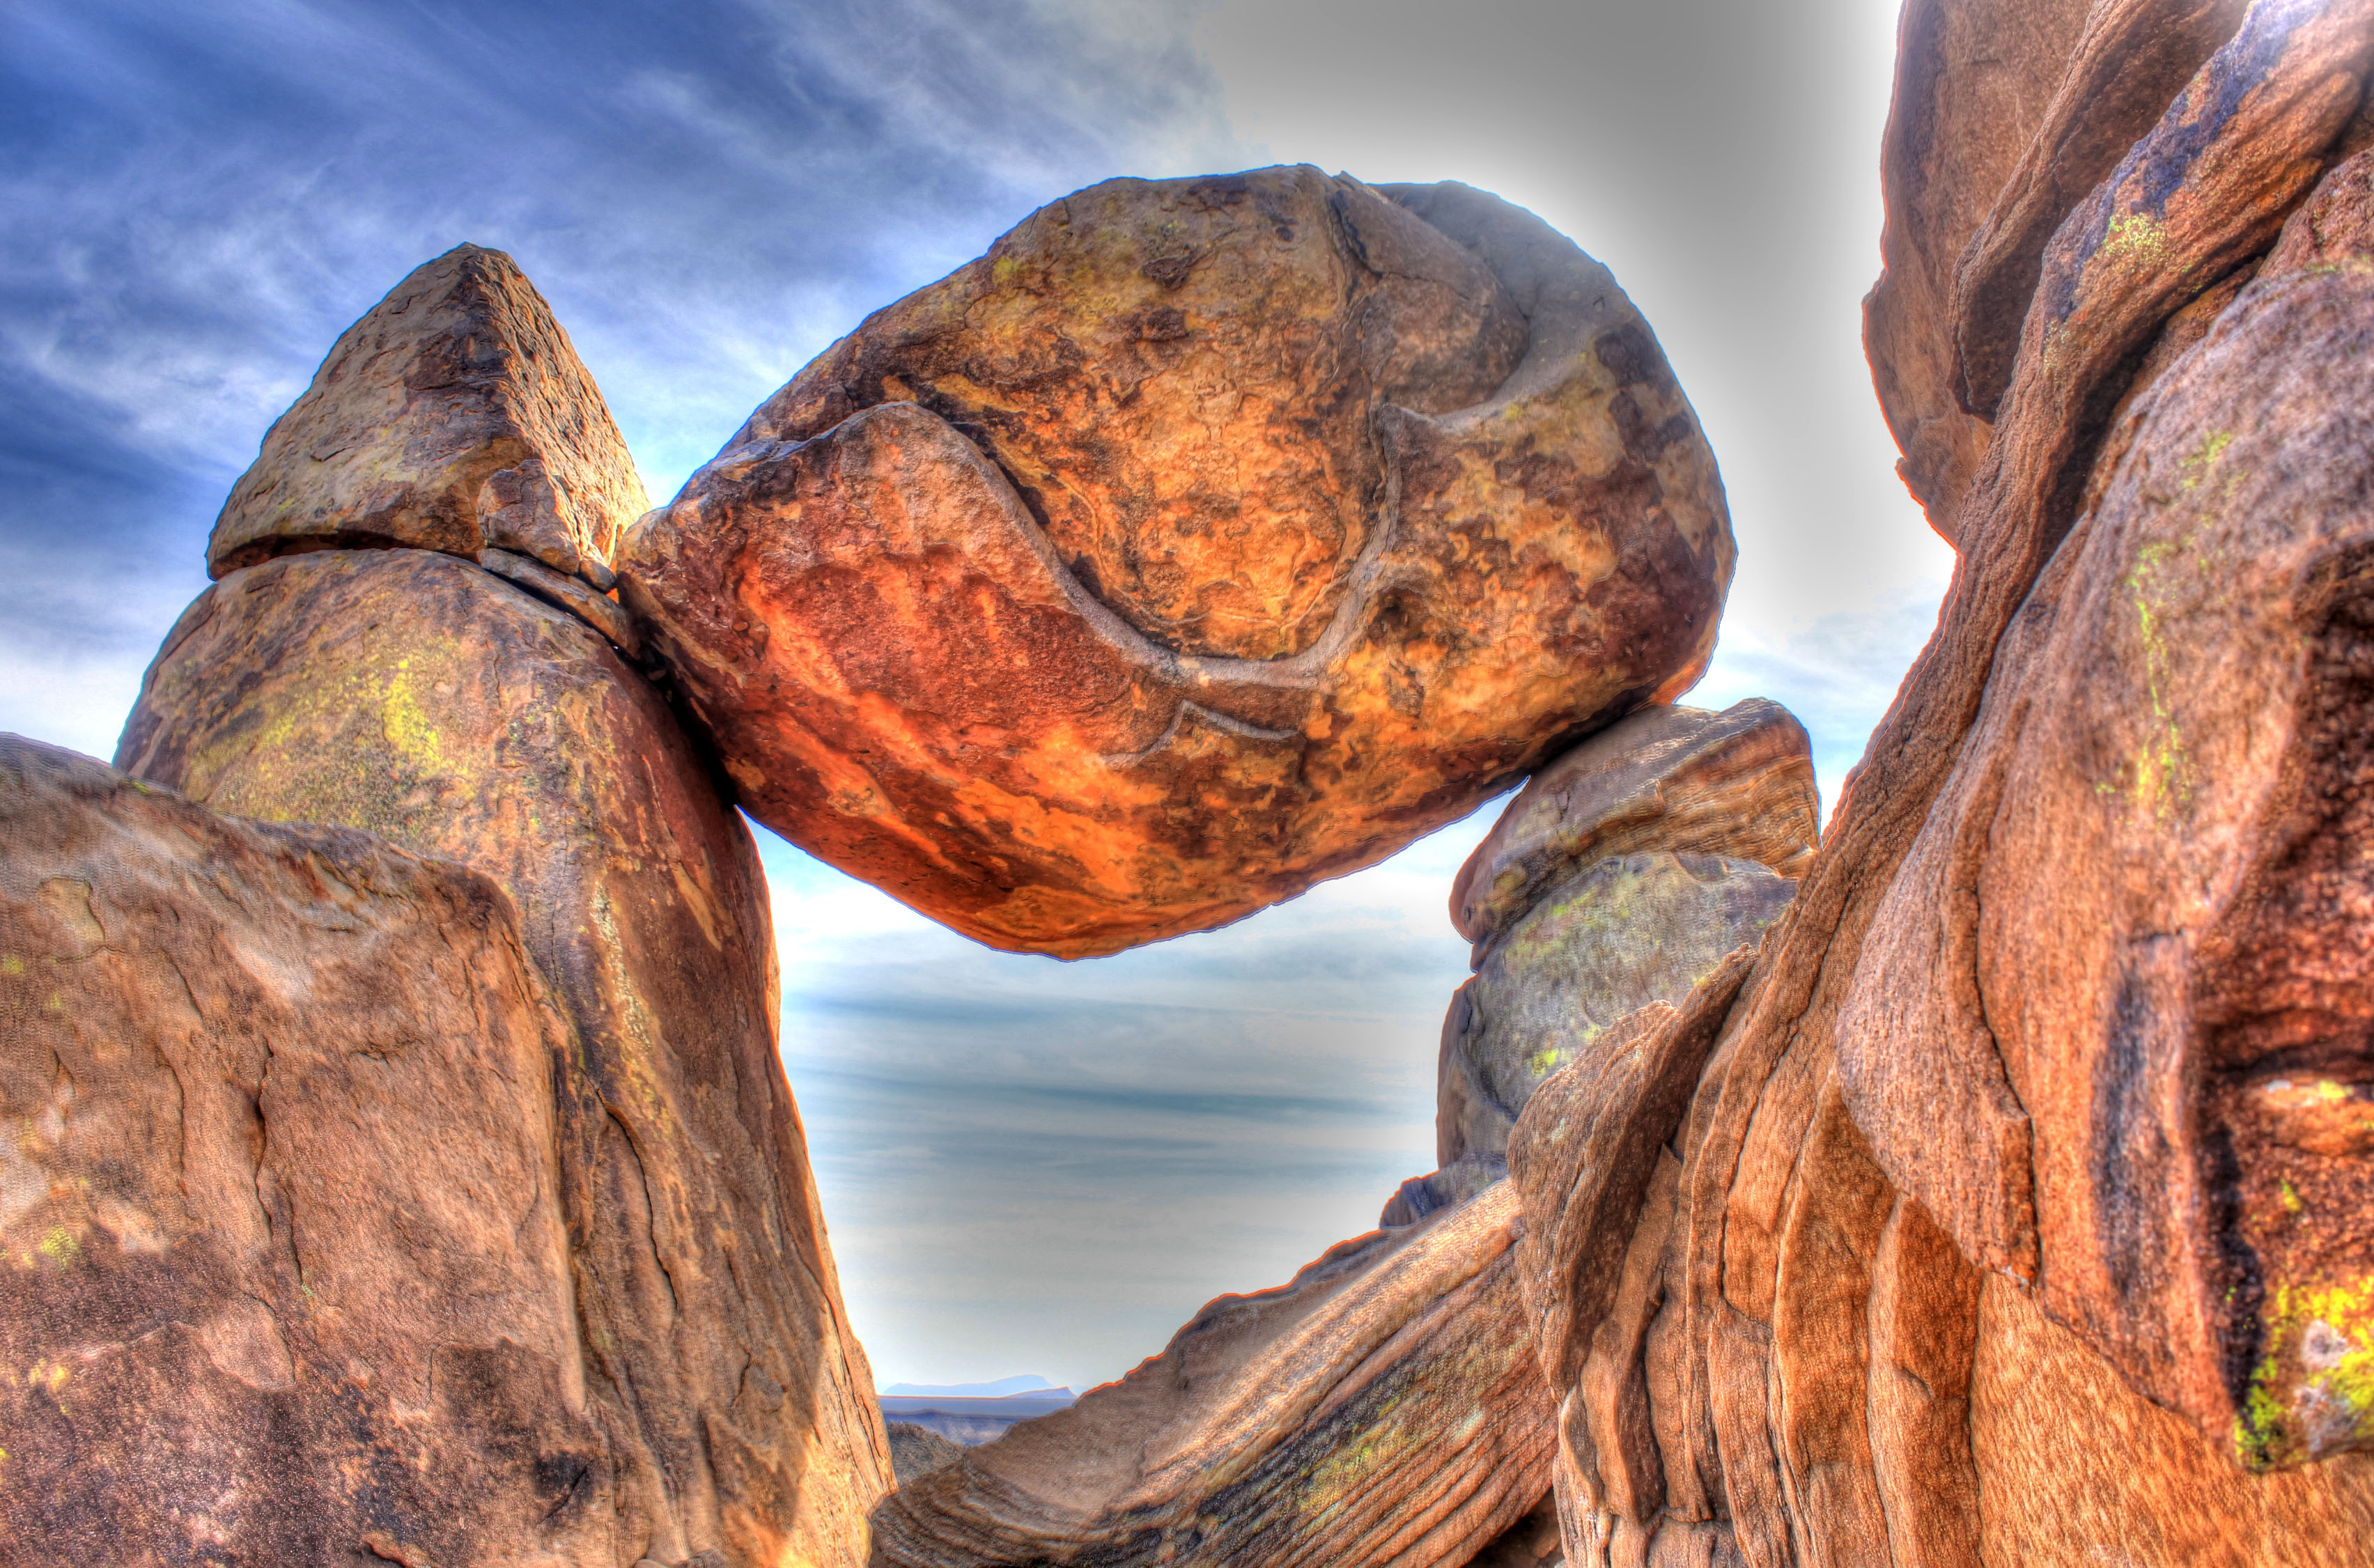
{"x": 1028, "y": 1167}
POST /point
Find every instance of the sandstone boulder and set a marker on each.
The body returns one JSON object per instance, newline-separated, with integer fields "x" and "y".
{"x": 1383, "y": 1408}
{"x": 412, "y": 694}
{"x": 287, "y": 1256}
{"x": 454, "y": 415}
{"x": 1205, "y": 538}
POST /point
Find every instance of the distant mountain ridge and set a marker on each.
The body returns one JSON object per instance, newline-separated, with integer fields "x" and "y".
{"x": 999, "y": 1390}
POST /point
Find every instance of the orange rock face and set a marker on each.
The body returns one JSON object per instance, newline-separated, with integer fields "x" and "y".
{"x": 1206, "y": 539}
{"x": 416, "y": 696}
{"x": 283, "y": 1228}
{"x": 454, "y": 417}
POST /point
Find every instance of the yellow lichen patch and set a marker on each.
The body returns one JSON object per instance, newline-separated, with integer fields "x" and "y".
{"x": 2312, "y": 1393}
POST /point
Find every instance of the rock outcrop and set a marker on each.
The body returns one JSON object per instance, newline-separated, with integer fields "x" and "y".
{"x": 2039, "y": 1112}
{"x": 917, "y": 1451}
{"x": 456, "y": 416}
{"x": 1619, "y": 877}
{"x": 287, "y": 1262}
{"x": 412, "y": 694}
{"x": 1205, "y": 538}
{"x": 1385, "y": 1406}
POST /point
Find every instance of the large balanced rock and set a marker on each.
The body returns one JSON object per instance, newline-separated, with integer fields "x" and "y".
{"x": 2019, "y": 1214}
{"x": 1205, "y": 538}
{"x": 413, "y": 695}
{"x": 1383, "y": 1408}
{"x": 289, "y": 1276}
{"x": 455, "y": 416}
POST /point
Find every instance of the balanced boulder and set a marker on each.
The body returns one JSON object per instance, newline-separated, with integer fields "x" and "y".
{"x": 1205, "y": 538}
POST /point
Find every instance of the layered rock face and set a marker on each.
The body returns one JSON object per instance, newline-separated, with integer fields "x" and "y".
{"x": 1384, "y": 1407}
{"x": 288, "y": 1254}
{"x": 2017, "y": 1210}
{"x": 409, "y": 693}
{"x": 1205, "y": 538}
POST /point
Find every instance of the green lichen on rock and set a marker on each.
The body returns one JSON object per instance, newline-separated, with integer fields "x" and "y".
{"x": 2312, "y": 1392}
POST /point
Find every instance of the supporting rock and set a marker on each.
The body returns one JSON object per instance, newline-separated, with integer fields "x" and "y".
{"x": 419, "y": 697}
{"x": 288, "y": 1271}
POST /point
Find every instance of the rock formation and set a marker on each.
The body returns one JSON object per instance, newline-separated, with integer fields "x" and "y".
{"x": 1619, "y": 877}
{"x": 2039, "y": 1111}
{"x": 285, "y": 1225}
{"x": 1205, "y": 538}
{"x": 917, "y": 1451}
{"x": 412, "y": 694}
{"x": 1384, "y": 1407}
{"x": 456, "y": 416}
{"x": 1990, "y": 1184}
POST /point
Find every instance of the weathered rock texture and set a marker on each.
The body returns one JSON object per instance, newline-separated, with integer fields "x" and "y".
{"x": 1620, "y": 875}
{"x": 1205, "y": 538}
{"x": 412, "y": 694}
{"x": 1385, "y": 1406}
{"x": 287, "y": 1276}
{"x": 455, "y": 416}
{"x": 1738, "y": 784}
{"x": 2019, "y": 1210}
{"x": 917, "y": 1451}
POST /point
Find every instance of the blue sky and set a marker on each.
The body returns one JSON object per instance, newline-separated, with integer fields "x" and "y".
{"x": 1028, "y": 1167}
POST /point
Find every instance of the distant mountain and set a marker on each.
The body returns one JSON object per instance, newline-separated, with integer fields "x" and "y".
{"x": 1003, "y": 1387}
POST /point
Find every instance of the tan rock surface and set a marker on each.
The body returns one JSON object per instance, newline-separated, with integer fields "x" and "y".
{"x": 1973, "y": 80}
{"x": 284, "y": 1269}
{"x": 1837, "y": 1373}
{"x": 1738, "y": 784}
{"x": 419, "y": 697}
{"x": 453, "y": 415}
{"x": 2153, "y": 813}
{"x": 1206, "y": 539}
{"x": 1383, "y": 1408}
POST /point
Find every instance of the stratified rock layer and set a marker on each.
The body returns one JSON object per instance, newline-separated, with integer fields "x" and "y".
{"x": 1383, "y": 1408}
{"x": 454, "y": 415}
{"x": 434, "y": 704}
{"x": 287, "y": 1275}
{"x": 2018, "y": 1215}
{"x": 1205, "y": 538}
